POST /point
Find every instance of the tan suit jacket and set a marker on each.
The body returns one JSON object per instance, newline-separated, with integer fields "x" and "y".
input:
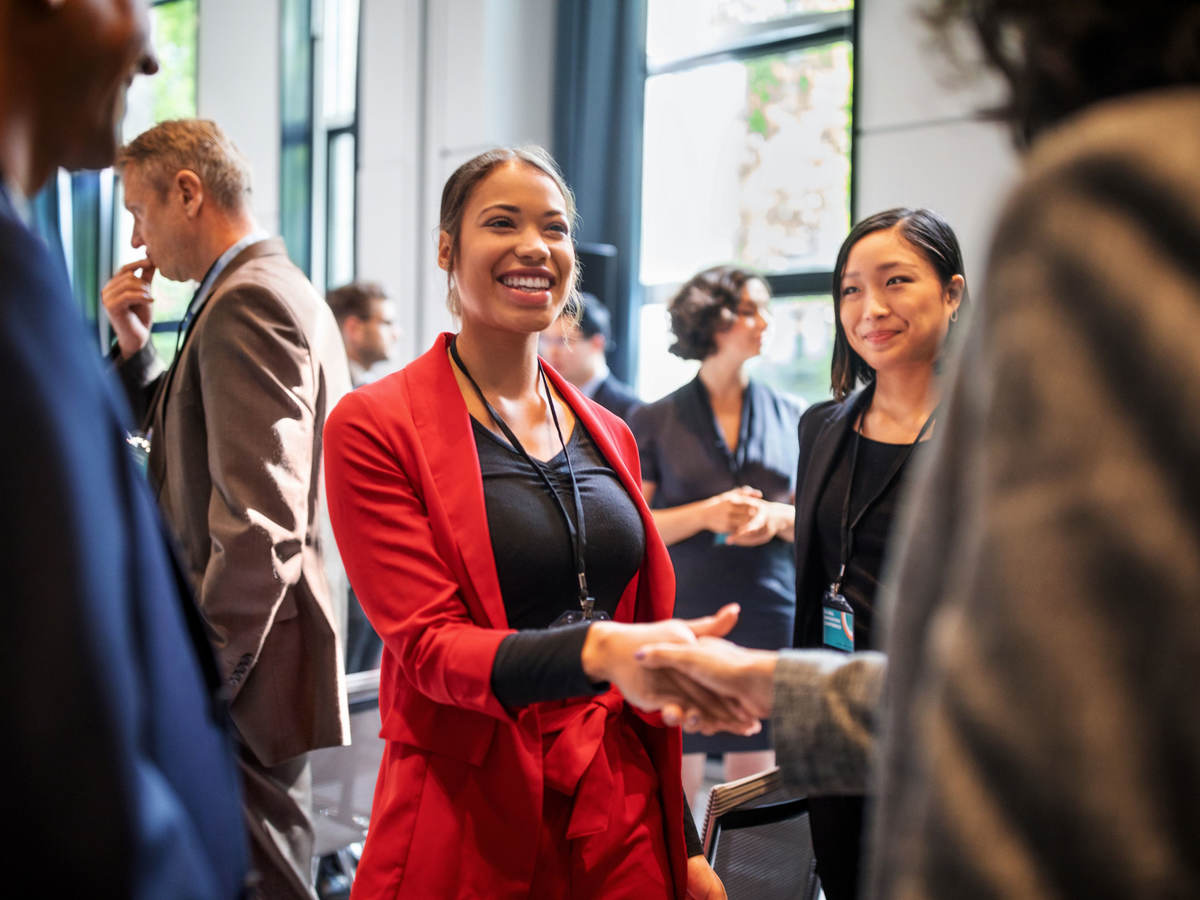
{"x": 235, "y": 427}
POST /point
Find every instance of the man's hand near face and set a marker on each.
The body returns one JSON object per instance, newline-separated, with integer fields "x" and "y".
{"x": 128, "y": 303}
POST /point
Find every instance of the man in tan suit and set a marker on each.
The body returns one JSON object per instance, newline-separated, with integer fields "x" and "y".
{"x": 235, "y": 430}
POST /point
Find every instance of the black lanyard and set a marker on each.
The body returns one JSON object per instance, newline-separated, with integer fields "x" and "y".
{"x": 849, "y": 525}
{"x": 181, "y": 329}
{"x": 577, "y": 532}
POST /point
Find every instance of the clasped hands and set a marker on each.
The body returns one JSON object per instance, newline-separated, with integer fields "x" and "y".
{"x": 744, "y": 517}
{"x": 684, "y": 669}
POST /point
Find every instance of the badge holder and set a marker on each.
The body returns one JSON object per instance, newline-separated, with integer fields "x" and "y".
{"x": 587, "y": 611}
{"x": 837, "y": 620}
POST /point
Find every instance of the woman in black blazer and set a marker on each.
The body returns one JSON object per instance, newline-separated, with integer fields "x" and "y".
{"x": 898, "y": 289}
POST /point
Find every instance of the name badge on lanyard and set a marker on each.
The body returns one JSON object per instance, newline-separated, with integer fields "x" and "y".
{"x": 837, "y": 615}
{"x": 837, "y": 621}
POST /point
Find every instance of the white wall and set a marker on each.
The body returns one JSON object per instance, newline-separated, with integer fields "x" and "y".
{"x": 237, "y": 86}
{"x": 391, "y": 244}
{"x": 919, "y": 142}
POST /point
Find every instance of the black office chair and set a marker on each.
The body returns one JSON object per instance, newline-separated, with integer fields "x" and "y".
{"x": 757, "y": 839}
{"x": 343, "y": 780}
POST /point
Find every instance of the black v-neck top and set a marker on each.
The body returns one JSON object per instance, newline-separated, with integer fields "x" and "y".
{"x": 861, "y": 581}
{"x": 535, "y": 563}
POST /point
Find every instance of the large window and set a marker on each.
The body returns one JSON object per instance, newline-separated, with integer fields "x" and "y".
{"x": 746, "y": 160}
{"x": 81, "y": 215}
{"x": 319, "y": 152}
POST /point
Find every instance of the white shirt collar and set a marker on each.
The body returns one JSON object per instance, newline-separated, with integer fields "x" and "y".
{"x": 358, "y": 375}
{"x": 593, "y": 384}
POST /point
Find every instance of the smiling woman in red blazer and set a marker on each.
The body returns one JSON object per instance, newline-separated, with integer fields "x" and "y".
{"x": 478, "y": 500}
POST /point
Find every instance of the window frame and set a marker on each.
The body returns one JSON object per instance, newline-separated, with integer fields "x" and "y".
{"x": 311, "y": 251}
{"x": 801, "y": 31}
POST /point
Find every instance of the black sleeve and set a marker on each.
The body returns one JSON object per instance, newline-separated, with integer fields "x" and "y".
{"x": 691, "y": 837}
{"x": 542, "y": 664}
{"x": 139, "y": 376}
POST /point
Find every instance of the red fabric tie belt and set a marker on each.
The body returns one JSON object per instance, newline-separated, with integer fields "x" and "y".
{"x": 576, "y": 764}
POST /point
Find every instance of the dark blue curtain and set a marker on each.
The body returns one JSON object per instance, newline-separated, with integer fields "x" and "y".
{"x": 598, "y": 104}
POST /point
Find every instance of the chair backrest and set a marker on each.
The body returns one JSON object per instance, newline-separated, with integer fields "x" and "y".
{"x": 757, "y": 839}
{"x": 343, "y": 778}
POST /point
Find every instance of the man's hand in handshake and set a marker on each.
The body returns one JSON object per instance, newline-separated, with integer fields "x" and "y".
{"x": 711, "y": 667}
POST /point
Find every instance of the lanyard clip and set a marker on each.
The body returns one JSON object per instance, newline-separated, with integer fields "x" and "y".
{"x": 836, "y": 587}
{"x": 586, "y": 602}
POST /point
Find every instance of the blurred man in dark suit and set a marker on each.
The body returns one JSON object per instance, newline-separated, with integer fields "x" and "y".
{"x": 577, "y": 352}
{"x": 121, "y": 780}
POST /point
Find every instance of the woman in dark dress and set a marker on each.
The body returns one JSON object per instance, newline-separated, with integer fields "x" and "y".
{"x": 898, "y": 289}
{"x": 718, "y": 463}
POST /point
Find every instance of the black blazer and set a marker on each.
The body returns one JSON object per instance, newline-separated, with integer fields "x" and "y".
{"x": 822, "y": 433}
{"x": 124, "y": 778}
{"x": 617, "y": 397}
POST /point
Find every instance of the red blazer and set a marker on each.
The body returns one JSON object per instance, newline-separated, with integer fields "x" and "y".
{"x": 459, "y": 795}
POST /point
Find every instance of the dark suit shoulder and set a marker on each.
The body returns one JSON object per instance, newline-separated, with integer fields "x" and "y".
{"x": 818, "y": 415}
{"x": 650, "y": 418}
{"x": 617, "y": 397}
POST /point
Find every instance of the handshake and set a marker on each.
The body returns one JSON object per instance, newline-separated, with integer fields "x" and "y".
{"x": 685, "y": 670}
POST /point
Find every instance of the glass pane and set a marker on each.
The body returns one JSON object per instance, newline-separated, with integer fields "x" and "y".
{"x": 164, "y": 343}
{"x": 678, "y": 27}
{"x": 795, "y": 357}
{"x": 295, "y": 159}
{"x": 85, "y": 240}
{"x": 799, "y": 347}
{"x": 171, "y": 94}
{"x": 295, "y": 201}
{"x": 339, "y": 267}
{"x": 341, "y": 61}
{"x": 296, "y": 62}
{"x": 747, "y": 162}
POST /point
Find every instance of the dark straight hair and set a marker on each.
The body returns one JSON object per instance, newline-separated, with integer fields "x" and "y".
{"x": 933, "y": 238}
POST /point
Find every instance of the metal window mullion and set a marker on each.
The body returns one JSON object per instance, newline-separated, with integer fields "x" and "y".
{"x": 812, "y": 31}
{"x": 319, "y": 174}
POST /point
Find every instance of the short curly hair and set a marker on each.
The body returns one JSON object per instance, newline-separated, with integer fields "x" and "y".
{"x": 706, "y": 306}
